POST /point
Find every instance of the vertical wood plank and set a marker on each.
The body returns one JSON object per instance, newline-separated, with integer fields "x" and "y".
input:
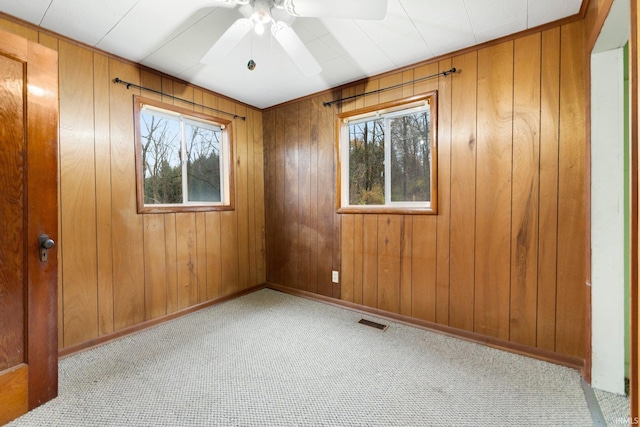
{"x": 406, "y": 264}
{"x": 571, "y": 286}
{"x": 444, "y": 194}
{"x": 304, "y": 195}
{"x": 493, "y": 190}
{"x": 314, "y": 106}
{"x": 370, "y": 261}
{"x": 326, "y": 202}
{"x": 348, "y": 104}
{"x": 388, "y": 82}
{"x": 20, "y": 30}
{"x": 104, "y": 250}
{"x": 407, "y": 88}
{"x": 186, "y": 259}
{"x": 251, "y": 198}
{"x": 291, "y": 196}
{"x": 269, "y": 145}
{"x": 259, "y": 198}
{"x": 277, "y": 211}
{"x": 347, "y": 257}
{"x": 242, "y": 204}
{"x": 48, "y": 40}
{"x": 213, "y": 234}
{"x": 358, "y": 220}
{"x": 201, "y": 256}
{"x": 548, "y": 216}
{"x": 389, "y": 273}
{"x": 463, "y": 194}
{"x": 524, "y": 204}
{"x": 155, "y": 284}
{"x": 77, "y": 194}
{"x": 171, "y": 257}
{"x": 424, "y": 269}
{"x": 427, "y": 85}
{"x": 214, "y": 256}
{"x": 373, "y": 98}
{"x": 128, "y": 258}
{"x": 229, "y": 229}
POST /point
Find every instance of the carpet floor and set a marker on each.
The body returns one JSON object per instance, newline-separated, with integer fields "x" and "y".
{"x": 271, "y": 359}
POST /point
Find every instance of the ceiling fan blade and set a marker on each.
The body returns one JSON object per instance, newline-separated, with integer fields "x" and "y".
{"x": 294, "y": 47}
{"x": 234, "y": 2}
{"x": 351, "y": 9}
{"x": 228, "y": 41}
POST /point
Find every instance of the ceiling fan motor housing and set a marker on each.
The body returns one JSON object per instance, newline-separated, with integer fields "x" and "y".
{"x": 261, "y": 11}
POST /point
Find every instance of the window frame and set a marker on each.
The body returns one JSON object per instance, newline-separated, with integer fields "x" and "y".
{"x": 228, "y": 198}
{"x": 342, "y": 153}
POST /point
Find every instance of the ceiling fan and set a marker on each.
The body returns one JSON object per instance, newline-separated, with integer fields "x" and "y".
{"x": 260, "y": 13}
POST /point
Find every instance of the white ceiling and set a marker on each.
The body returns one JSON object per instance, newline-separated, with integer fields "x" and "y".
{"x": 172, "y": 36}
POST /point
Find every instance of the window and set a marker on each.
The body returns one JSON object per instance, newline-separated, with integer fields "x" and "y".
{"x": 182, "y": 159}
{"x": 388, "y": 158}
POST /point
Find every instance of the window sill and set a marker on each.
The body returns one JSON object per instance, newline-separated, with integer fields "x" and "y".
{"x": 179, "y": 209}
{"x": 431, "y": 210}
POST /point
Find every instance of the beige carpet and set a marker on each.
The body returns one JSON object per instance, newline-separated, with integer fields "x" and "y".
{"x": 271, "y": 359}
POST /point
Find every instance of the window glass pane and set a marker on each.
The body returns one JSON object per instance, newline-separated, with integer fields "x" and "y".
{"x": 203, "y": 162}
{"x": 366, "y": 163}
{"x": 160, "y": 139}
{"x": 410, "y": 158}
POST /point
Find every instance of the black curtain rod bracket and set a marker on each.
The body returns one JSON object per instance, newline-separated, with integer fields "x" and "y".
{"x": 442, "y": 73}
{"x": 130, "y": 85}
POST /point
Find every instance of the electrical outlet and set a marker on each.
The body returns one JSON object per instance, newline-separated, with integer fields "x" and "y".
{"x": 335, "y": 277}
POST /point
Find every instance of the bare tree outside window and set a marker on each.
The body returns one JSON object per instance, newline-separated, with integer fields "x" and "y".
{"x": 203, "y": 163}
{"x": 161, "y": 158}
{"x": 388, "y": 157}
{"x": 183, "y": 159}
{"x": 410, "y": 158}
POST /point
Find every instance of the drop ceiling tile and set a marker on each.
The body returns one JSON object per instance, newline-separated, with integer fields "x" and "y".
{"x": 330, "y": 41}
{"x": 149, "y": 30}
{"x": 31, "y": 11}
{"x": 500, "y": 30}
{"x": 402, "y": 51}
{"x": 443, "y": 29}
{"x": 339, "y": 71}
{"x": 320, "y": 51}
{"x": 543, "y": 11}
{"x": 487, "y": 14}
{"x": 310, "y": 28}
{"x": 84, "y": 20}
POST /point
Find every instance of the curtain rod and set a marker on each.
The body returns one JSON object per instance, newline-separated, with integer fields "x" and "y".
{"x": 442, "y": 73}
{"x": 128, "y": 85}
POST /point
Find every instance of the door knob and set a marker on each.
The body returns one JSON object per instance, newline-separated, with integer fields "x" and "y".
{"x": 45, "y": 243}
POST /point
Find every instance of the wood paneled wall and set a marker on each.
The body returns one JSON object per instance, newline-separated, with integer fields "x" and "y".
{"x": 505, "y": 256}
{"x": 119, "y": 268}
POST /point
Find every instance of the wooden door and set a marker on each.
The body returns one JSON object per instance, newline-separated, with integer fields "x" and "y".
{"x": 28, "y": 209}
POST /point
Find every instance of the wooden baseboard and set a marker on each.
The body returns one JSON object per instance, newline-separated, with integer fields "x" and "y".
{"x": 536, "y": 353}
{"x": 95, "y": 342}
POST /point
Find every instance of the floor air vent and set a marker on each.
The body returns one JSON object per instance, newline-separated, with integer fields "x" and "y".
{"x": 373, "y": 324}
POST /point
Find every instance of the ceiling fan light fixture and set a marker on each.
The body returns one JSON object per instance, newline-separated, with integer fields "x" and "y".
{"x": 259, "y": 28}
{"x": 261, "y": 12}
